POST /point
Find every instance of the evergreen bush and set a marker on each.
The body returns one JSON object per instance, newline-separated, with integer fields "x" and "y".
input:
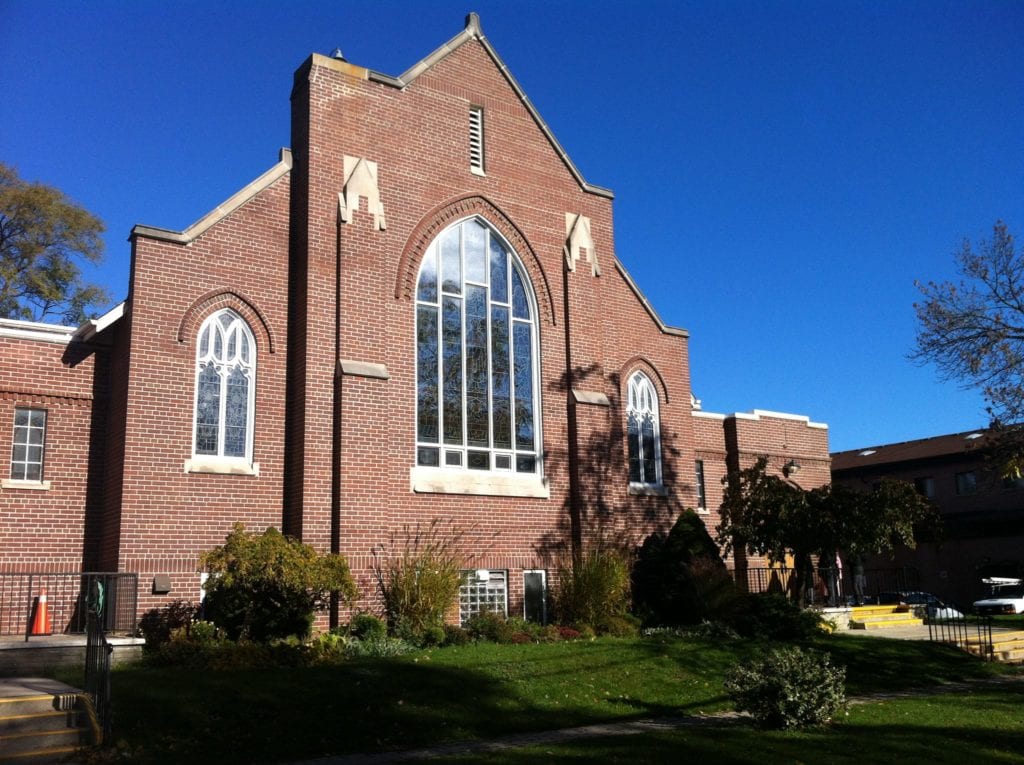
{"x": 264, "y": 586}
{"x": 788, "y": 688}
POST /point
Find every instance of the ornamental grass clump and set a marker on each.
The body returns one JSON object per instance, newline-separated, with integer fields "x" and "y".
{"x": 788, "y": 688}
{"x": 593, "y": 588}
{"x": 418, "y": 574}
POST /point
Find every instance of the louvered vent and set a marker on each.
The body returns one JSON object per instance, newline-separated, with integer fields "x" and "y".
{"x": 476, "y": 139}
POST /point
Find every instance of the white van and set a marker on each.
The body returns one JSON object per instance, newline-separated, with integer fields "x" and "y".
{"x": 1006, "y": 596}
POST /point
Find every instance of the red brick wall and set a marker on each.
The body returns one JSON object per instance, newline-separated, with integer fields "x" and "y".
{"x": 45, "y": 530}
{"x": 418, "y": 136}
{"x": 169, "y": 516}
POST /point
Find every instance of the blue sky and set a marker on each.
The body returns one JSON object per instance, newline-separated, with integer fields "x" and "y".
{"x": 783, "y": 171}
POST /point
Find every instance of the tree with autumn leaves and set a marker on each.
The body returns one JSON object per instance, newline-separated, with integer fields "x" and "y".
{"x": 773, "y": 517}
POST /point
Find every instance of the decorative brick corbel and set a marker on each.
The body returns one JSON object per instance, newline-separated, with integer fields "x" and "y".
{"x": 577, "y": 241}
{"x": 361, "y": 181}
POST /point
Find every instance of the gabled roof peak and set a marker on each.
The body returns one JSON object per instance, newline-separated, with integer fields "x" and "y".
{"x": 473, "y": 31}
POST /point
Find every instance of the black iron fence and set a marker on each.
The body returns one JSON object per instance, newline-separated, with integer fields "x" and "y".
{"x": 43, "y": 603}
{"x": 829, "y": 586}
{"x": 98, "y": 653}
{"x": 971, "y": 633}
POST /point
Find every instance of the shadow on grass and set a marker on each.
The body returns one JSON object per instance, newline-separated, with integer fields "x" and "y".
{"x": 980, "y": 729}
{"x": 475, "y": 692}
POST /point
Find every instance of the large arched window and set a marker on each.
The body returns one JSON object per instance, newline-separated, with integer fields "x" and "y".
{"x": 643, "y": 431}
{"x": 476, "y": 358}
{"x": 225, "y": 387}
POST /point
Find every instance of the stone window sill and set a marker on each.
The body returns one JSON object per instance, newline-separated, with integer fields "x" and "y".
{"x": 424, "y": 480}
{"x": 14, "y": 483}
{"x": 222, "y": 466}
{"x": 647, "y": 490}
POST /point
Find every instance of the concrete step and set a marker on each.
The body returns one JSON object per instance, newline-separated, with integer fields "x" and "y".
{"x": 880, "y": 624}
{"x": 860, "y": 611}
{"x": 27, "y": 705}
{"x": 39, "y": 721}
{"x": 33, "y": 742}
{"x": 56, "y": 756}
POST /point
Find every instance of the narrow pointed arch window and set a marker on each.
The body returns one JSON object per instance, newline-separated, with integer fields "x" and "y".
{"x": 476, "y": 355}
{"x": 643, "y": 431}
{"x": 225, "y": 388}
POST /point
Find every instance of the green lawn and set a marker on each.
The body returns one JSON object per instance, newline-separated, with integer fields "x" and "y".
{"x": 474, "y": 692}
{"x": 979, "y": 727}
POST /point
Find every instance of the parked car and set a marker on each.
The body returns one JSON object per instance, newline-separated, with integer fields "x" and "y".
{"x": 1006, "y": 596}
{"x": 934, "y": 607}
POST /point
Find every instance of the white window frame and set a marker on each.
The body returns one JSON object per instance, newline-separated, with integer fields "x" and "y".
{"x": 219, "y": 462}
{"x": 12, "y": 481}
{"x": 460, "y": 478}
{"x": 544, "y": 584}
{"x": 642, "y": 399}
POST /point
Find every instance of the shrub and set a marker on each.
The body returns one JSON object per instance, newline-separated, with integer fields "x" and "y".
{"x": 378, "y": 647}
{"x": 419, "y": 573}
{"x": 619, "y": 626}
{"x": 492, "y": 626}
{"x": 367, "y": 627}
{"x": 568, "y": 633}
{"x": 788, "y": 688}
{"x": 158, "y": 624}
{"x": 266, "y": 586}
{"x": 455, "y": 635}
{"x": 772, "y": 616}
{"x": 593, "y": 587}
{"x": 680, "y": 578}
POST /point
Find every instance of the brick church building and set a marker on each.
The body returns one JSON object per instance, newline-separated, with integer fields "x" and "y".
{"x": 416, "y": 314}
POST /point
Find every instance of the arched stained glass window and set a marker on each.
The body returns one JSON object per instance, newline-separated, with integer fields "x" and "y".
{"x": 225, "y": 387}
{"x": 476, "y": 357}
{"x": 643, "y": 431}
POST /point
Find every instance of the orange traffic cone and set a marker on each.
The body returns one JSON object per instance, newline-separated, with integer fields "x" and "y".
{"x": 41, "y": 622}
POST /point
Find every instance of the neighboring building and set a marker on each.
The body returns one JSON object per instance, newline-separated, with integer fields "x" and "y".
{"x": 982, "y": 514}
{"x": 416, "y": 314}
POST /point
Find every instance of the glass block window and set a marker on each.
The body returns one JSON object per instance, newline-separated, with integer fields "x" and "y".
{"x": 642, "y": 431}
{"x": 476, "y": 355}
{"x": 27, "y": 445}
{"x": 225, "y": 387}
{"x": 481, "y": 591}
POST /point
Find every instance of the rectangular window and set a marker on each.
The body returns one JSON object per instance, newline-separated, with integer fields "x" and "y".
{"x": 966, "y": 483}
{"x": 27, "y": 446}
{"x": 701, "y": 499}
{"x": 481, "y": 591}
{"x": 535, "y": 596}
{"x": 925, "y": 487}
{"x": 476, "y": 139}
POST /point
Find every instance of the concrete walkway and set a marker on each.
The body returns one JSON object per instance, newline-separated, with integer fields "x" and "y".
{"x": 653, "y": 725}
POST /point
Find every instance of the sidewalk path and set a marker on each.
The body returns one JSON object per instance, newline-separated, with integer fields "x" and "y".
{"x": 718, "y": 719}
